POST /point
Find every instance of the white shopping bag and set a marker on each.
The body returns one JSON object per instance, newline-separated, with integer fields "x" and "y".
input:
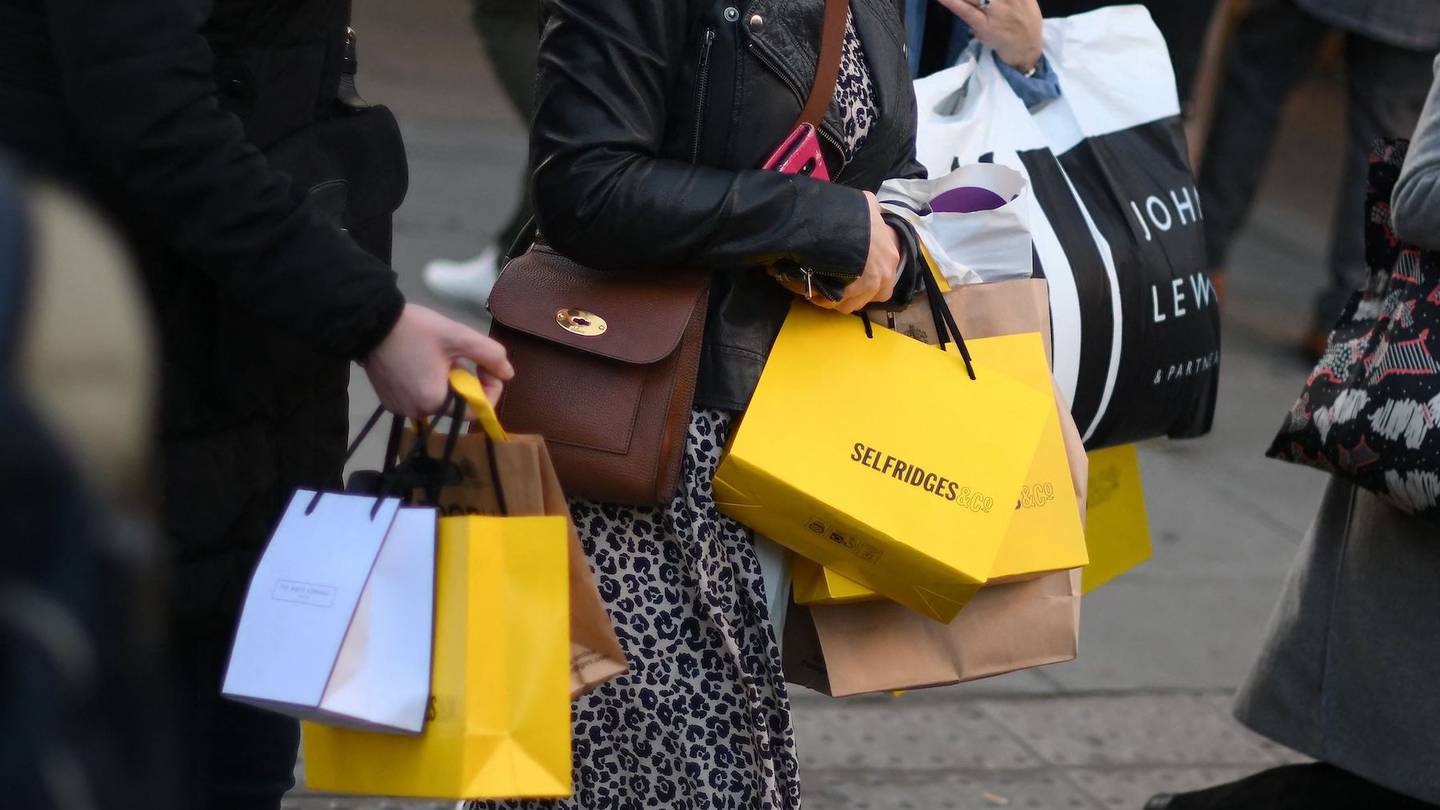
{"x": 336, "y": 626}
{"x": 987, "y": 240}
{"x": 1115, "y": 218}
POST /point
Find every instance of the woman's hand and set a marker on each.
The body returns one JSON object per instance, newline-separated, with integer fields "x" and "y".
{"x": 411, "y": 366}
{"x": 1014, "y": 28}
{"x": 876, "y": 283}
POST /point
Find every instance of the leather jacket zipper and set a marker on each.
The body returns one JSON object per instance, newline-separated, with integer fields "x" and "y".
{"x": 800, "y": 95}
{"x": 703, "y": 90}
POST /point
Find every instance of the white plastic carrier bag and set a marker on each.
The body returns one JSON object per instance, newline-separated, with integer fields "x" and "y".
{"x": 1115, "y": 217}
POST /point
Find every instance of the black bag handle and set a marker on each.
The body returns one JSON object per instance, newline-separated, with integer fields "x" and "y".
{"x": 457, "y": 419}
{"x": 445, "y": 471}
{"x": 495, "y": 475}
{"x": 945, "y": 319}
{"x": 945, "y": 325}
{"x": 417, "y": 470}
{"x": 359, "y": 439}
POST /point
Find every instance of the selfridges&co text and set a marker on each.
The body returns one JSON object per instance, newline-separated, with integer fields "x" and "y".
{"x": 917, "y": 476}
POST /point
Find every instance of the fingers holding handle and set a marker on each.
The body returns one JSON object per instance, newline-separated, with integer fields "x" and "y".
{"x": 409, "y": 369}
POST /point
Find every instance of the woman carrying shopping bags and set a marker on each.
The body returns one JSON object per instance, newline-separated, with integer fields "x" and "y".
{"x": 653, "y": 118}
{"x": 1348, "y": 668}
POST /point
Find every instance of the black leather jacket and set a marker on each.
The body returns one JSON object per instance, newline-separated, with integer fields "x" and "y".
{"x": 652, "y": 118}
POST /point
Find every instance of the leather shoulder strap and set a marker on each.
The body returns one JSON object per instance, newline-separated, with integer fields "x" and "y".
{"x": 827, "y": 70}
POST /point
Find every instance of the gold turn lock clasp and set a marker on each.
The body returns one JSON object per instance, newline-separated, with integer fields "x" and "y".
{"x": 580, "y": 322}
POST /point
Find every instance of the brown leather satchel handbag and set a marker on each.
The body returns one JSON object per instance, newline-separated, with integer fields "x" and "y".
{"x": 605, "y": 369}
{"x": 606, "y": 363}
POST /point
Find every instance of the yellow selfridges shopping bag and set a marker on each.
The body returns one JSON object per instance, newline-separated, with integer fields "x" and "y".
{"x": 880, "y": 458}
{"x": 1046, "y": 534}
{"x": 1117, "y": 529}
{"x": 814, "y": 584}
{"x": 498, "y": 724}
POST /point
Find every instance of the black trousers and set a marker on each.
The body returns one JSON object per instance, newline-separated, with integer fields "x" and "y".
{"x": 224, "y": 493}
{"x": 510, "y": 31}
{"x": 234, "y": 757}
{"x": 1273, "y": 50}
{"x": 1316, "y": 786}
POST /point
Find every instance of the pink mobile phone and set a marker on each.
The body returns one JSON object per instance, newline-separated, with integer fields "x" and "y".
{"x": 800, "y": 153}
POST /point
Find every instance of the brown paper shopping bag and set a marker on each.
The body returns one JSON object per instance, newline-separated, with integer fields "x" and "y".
{"x": 530, "y": 487}
{"x": 854, "y": 649}
{"x": 986, "y": 310}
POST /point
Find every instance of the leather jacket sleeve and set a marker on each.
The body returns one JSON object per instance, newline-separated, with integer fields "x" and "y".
{"x": 138, "y": 83}
{"x": 912, "y": 263}
{"x": 607, "y": 196}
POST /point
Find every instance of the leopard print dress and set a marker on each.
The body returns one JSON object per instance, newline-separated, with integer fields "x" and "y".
{"x": 702, "y": 720}
{"x": 855, "y": 93}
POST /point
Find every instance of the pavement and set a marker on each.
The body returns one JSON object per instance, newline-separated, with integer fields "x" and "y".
{"x": 1145, "y": 707}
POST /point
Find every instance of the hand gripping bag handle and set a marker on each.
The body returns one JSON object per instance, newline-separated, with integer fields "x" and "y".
{"x": 417, "y": 470}
{"x": 945, "y": 325}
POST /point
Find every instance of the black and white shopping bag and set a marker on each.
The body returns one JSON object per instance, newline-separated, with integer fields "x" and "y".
{"x": 336, "y": 626}
{"x": 1116, "y": 220}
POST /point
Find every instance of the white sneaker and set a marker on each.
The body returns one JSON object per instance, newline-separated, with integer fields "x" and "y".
{"x": 466, "y": 282}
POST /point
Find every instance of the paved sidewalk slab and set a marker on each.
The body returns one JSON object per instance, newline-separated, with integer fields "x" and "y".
{"x": 871, "y": 790}
{"x": 897, "y": 736}
{"x": 1149, "y": 730}
{"x": 1030, "y": 751}
{"x": 1129, "y": 789}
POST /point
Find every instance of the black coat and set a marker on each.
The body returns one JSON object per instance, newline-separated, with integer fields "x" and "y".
{"x": 121, "y": 97}
{"x": 652, "y": 118}
{"x": 162, "y": 110}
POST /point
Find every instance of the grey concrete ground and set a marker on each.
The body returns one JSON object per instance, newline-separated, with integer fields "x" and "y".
{"x": 1144, "y": 709}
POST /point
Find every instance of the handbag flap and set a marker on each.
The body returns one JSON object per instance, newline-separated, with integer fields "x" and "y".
{"x": 634, "y": 318}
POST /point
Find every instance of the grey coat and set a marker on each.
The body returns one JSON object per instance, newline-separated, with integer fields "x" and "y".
{"x": 1415, "y": 203}
{"x": 1350, "y": 671}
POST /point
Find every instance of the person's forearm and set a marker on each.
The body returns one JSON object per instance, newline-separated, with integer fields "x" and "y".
{"x": 1415, "y": 204}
